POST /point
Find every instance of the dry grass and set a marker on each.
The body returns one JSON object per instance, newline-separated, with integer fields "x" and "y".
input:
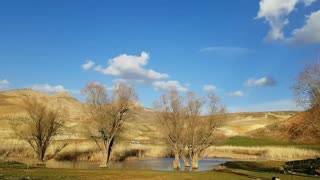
{"x": 86, "y": 150}
{"x": 81, "y": 150}
{"x": 267, "y": 152}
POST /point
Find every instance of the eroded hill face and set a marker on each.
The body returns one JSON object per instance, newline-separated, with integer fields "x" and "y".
{"x": 302, "y": 128}
{"x": 144, "y": 127}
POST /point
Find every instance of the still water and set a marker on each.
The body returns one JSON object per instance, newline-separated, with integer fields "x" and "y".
{"x": 161, "y": 164}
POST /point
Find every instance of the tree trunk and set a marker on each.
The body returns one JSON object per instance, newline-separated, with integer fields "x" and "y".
{"x": 106, "y": 154}
{"x": 104, "y": 161}
{"x": 41, "y": 157}
{"x": 185, "y": 160}
{"x": 176, "y": 162}
{"x": 195, "y": 161}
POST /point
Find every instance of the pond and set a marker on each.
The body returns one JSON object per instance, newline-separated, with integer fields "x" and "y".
{"x": 161, "y": 164}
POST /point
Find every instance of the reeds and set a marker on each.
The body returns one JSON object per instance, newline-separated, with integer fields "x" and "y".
{"x": 265, "y": 152}
{"x": 86, "y": 150}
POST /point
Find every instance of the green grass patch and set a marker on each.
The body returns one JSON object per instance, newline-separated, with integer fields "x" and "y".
{"x": 308, "y": 167}
{"x": 264, "y": 166}
{"x": 12, "y": 164}
{"x": 250, "y": 142}
{"x": 268, "y": 175}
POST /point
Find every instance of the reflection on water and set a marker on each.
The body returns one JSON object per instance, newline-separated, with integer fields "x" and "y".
{"x": 163, "y": 164}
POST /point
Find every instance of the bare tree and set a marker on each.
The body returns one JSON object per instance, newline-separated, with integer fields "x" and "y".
{"x": 201, "y": 129}
{"x": 171, "y": 116}
{"x": 307, "y": 87}
{"x": 107, "y": 114}
{"x": 187, "y": 131}
{"x": 307, "y": 91}
{"x": 38, "y": 128}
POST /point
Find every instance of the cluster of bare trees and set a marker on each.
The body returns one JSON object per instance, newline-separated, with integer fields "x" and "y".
{"x": 105, "y": 114}
{"x": 188, "y": 124}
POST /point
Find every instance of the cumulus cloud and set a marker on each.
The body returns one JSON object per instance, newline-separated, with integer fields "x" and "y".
{"x": 275, "y": 13}
{"x": 46, "y": 88}
{"x": 4, "y": 83}
{"x": 309, "y": 33}
{"x": 236, "y": 93}
{"x": 131, "y": 67}
{"x": 167, "y": 85}
{"x": 88, "y": 65}
{"x": 265, "y": 81}
{"x": 209, "y": 87}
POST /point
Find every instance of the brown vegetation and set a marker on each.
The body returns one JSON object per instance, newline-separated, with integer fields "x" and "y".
{"x": 303, "y": 127}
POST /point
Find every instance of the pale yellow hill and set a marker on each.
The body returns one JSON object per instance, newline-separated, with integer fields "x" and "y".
{"x": 11, "y": 104}
{"x": 241, "y": 123}
{"x": 144, "y": 127}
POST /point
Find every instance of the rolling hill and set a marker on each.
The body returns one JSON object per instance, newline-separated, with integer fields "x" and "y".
{"x": 301, "y": 128}
{"x": 143, "y": 127}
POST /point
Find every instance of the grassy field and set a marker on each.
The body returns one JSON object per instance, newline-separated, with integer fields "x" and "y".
{"x": 14, "y": 170}
{"x": 254, "y": 142}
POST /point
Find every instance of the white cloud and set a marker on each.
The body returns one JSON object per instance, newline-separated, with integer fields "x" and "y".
{"x": 227, "y": 50}
{"x": 4, "y": 83}
{"x": 46, "y": 88}
{"x": 265, "y": 81}
{"x": 167, "y": 85}
{"x": 309, "y": 33}
{"x": 275, "y": 13}
{"x": 209, "y": 87}
{"x": 131, "y": 67}
{"x": 279, "y": 105}
{"x": 236, "y": 93}
{"x": 88, "y": 65}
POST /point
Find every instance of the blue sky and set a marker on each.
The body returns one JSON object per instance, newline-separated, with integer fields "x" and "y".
{"x": 248, "y": 52}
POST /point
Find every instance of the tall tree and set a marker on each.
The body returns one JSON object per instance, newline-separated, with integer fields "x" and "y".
{"x": 39, "y": 126}
{"x": 201, "y": 128}
{"x": 108, "y": 114}
{"x": 307, "y": 87}
{"x": 171, "y": 115}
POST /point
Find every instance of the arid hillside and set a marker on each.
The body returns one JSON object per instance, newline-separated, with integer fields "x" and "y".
{"x": 11, "y": 104}
{"x": 237, "y": 124}
{"x": 302, "y": 128}
{"x": 143, "y": 127}
{"x": 143, "y": 131}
